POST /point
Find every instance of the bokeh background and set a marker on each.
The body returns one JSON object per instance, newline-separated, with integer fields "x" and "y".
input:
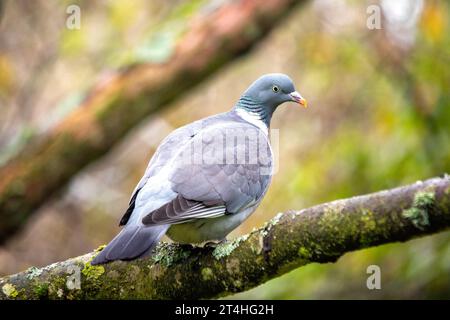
{"x": 379, "y": 117}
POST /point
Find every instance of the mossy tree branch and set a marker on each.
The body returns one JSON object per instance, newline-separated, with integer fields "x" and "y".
{"x": 318, "y": 234}
{"x": 215, "y": 36}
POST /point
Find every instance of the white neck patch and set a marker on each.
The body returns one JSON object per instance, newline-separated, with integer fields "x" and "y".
{"x": 253, "y": 118}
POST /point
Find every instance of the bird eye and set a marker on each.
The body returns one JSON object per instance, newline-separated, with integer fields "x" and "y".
{"x": 275, "y": 89}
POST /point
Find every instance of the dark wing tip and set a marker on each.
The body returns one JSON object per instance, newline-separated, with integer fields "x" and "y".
{"x": 130, "y": 209}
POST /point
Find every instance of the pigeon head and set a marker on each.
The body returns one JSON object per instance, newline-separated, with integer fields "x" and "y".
{"x": 265, "y": 94}
{"x": 273, "y": 89}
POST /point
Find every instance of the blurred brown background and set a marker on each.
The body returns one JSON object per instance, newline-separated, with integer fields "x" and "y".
{"x": 379, "y": 117}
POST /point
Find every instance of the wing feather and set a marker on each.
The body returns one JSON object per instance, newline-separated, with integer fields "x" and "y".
{"x": 169, "y": 214}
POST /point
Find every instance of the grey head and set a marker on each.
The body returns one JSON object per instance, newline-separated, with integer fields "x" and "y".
{"x": 264, "y": 95}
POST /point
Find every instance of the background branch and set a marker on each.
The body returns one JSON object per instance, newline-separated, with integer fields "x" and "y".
{"x": 318, "y": 234}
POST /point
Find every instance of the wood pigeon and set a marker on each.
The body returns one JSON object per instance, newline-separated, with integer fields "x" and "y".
{"x": 206, "y": 177}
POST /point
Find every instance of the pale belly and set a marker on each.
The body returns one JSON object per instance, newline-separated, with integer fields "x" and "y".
{"x": 202, "y": 230}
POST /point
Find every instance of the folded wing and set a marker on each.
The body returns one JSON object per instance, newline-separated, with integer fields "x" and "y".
{"x": 215, "y": 182}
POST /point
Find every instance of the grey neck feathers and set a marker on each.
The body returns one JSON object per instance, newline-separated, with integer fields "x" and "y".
{"x": 255, "y": 109}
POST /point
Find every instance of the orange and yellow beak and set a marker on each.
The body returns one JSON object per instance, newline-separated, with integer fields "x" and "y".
{"x": 297, "y": 97}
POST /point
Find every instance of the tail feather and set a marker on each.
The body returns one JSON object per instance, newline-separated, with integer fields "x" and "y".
{"x": 131, "y": 243}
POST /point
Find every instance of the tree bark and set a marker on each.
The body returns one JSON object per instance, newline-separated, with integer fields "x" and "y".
{"x": 214, "y": 38}
{"x": 318, "y": 234}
